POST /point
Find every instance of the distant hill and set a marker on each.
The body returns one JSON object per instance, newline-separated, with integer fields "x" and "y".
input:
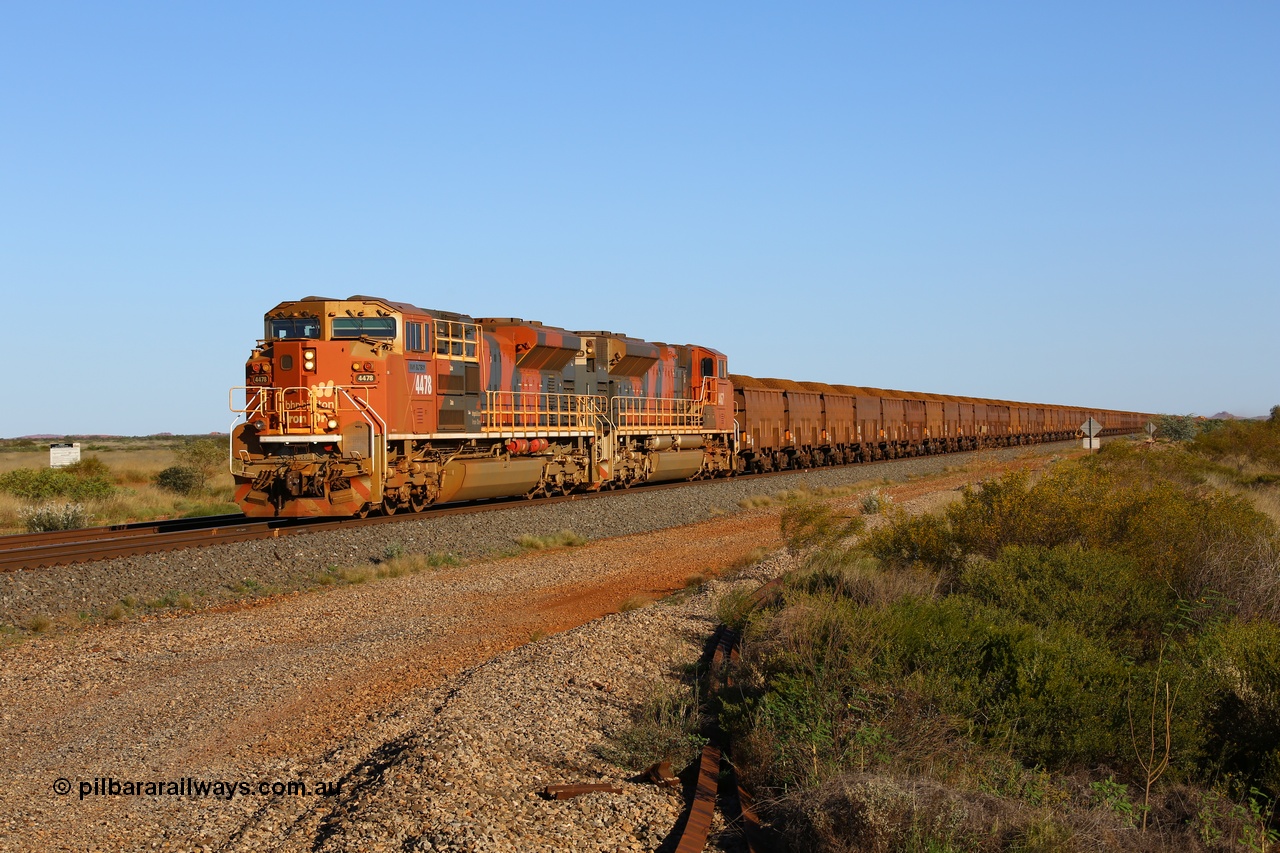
{"x": 1227, "y": 416}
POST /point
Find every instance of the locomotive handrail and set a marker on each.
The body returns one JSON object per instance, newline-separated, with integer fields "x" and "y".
{"x": 508, "y": 411}
{"x": 296, "y": 408}
{"x": 650, "y": 413}
{"x": 364, "y": 407}
{"x": 709, "y": 391}
{"x": 247, "y": 407}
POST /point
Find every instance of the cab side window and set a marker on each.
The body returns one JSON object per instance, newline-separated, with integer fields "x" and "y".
{"x": 415, "y": 340}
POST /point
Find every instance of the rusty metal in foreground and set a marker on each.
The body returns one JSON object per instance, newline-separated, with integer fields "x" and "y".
{"x": 703, "y": 807}
{"x": 662, "y": 774}
{"x": 567, "y": 792}
{"x": 717, "y": 778}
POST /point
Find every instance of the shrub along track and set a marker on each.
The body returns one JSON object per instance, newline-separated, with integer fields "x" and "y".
{"x": 314, "y": 687}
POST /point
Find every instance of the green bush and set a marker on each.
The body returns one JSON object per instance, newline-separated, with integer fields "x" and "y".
{"x": 50, "y": 517}
{"x": 208, "y": 456}
{"x": 89, "y": 468}
{"x": 1034, "y": 637}
{"x": 908, "y": 540}
{"x": 1255, "y": 440}
{"x": 1177, "y": 427}
{"x": 1052, "y": 694}
{"x": 1096, "y": 593}
{"x": 42, "y": 484}
{"x": 808, "y": 524}
{"x": 1241, "y": 674}
{"x": 180, "y": 479}
{"x": 665, "y": 728}
{"x": 1175, "y": 534}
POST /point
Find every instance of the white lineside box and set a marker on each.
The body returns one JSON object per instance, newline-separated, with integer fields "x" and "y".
{"x": 1092, "y": 443}
{"x": 62, "y": 455}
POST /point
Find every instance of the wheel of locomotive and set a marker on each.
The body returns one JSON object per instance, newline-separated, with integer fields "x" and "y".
{"x": 417, "y": 502}
{"x": 362, "y": 512}
{"x": 389, "y": 506}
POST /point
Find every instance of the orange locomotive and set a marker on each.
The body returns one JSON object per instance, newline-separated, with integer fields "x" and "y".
{"x": 361, "y": 404}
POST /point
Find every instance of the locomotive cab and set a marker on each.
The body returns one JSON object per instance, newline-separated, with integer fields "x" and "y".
{"x": 314, "y": 390}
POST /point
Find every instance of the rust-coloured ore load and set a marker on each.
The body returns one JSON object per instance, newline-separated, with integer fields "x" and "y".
{"x": 363, "y": 404}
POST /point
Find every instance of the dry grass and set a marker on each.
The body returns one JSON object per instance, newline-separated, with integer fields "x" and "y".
{"x": 132, "y": 464}
{"x": 397, "y": 565}
{"x": 561, "y": 539}
{"x": 134, "y": 501}
{"x": 635, "y": 602}
{"x": 12, "y": 460}
{"x": 754, "y": 557}
{"x": 1265, "y": 499}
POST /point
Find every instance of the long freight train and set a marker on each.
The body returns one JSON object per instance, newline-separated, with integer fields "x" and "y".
{"x": 362, "y": 404}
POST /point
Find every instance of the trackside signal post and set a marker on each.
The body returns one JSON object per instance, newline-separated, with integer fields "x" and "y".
{"x": 1091, "y": 429}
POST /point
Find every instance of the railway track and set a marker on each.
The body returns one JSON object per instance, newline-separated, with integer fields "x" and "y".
{"x": 41, "y": 550}
{"x": 28, "y": 551}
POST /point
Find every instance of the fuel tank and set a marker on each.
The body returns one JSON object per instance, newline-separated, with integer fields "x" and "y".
{"x": 672, "y": 465}
{"x": 473, "y": 479}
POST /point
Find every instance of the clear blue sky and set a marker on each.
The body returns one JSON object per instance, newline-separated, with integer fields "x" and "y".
{"x": 1066, "y": 202}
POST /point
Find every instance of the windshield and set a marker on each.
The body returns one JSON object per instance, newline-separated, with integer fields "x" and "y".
{"x": 294, "y": 327}
{"x": 345, "y": 328}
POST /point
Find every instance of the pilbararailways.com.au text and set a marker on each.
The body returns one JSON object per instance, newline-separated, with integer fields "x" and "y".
{"x": 223, "y": 789}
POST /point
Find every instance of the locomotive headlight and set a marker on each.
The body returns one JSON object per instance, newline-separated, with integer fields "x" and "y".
{"x": 309, "y": 365}
{"x": 308, "y": 354}
{"x": 333, "y": 423}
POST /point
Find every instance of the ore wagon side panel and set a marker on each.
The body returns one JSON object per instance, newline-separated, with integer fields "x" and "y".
{"x": 913, "y": 413}
{"x": 841, "y": 418}
{"x": 933, "y": 419}
{"x": 805, "y": 417}
{"x": 894, "y": 424}
{"x": 761, "y": 412}
{"x": 869, "y": 419}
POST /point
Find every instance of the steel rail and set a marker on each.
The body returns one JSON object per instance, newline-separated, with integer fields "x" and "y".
{"x": 717, "y": 777}
{"x": 26, "y": 551}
